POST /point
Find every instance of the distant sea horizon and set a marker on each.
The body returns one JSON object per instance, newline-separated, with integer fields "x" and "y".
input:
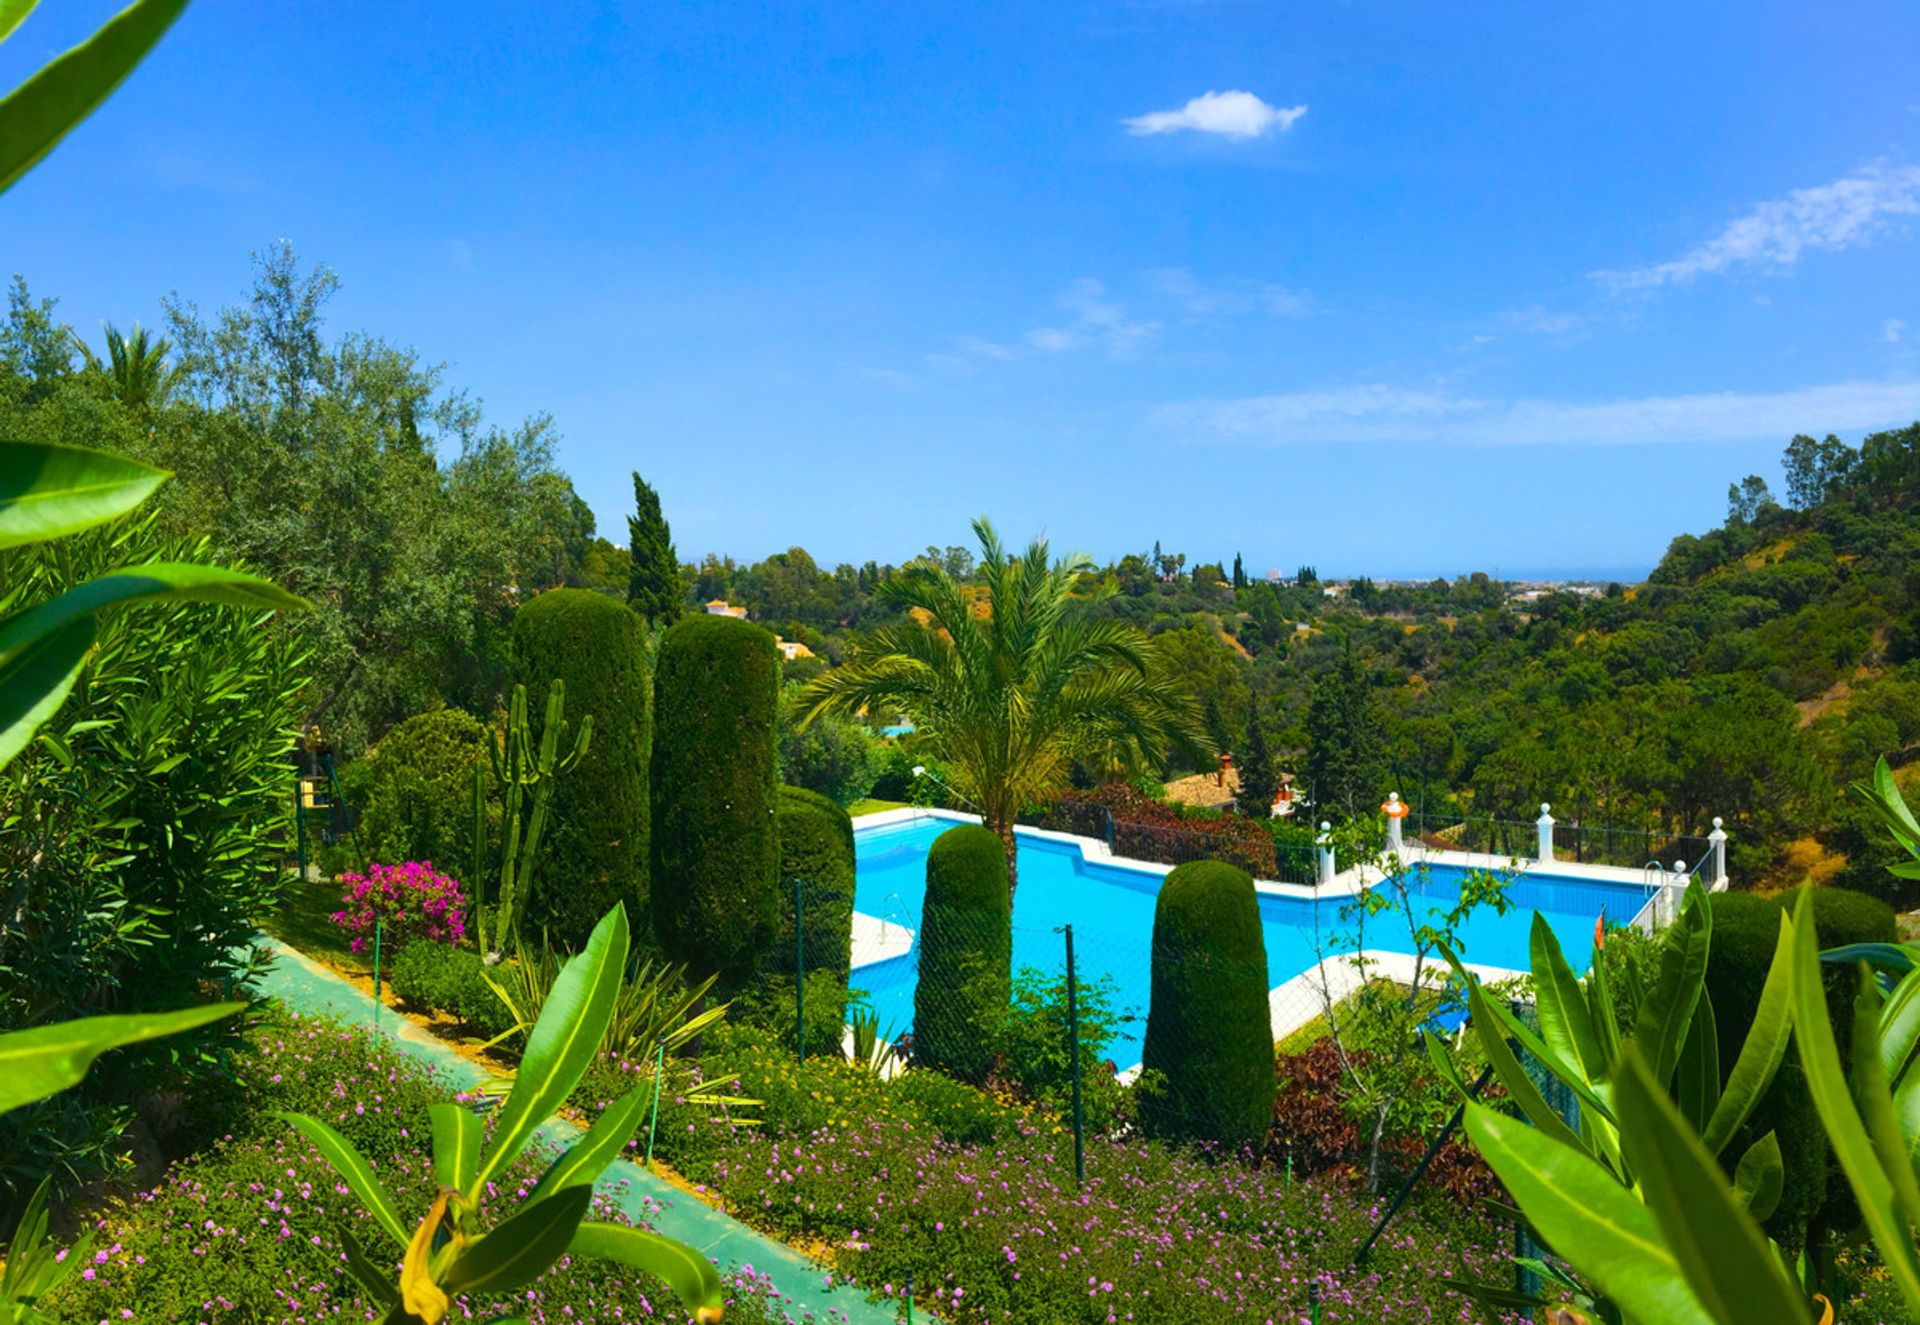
{"x": 1593, "y": 574}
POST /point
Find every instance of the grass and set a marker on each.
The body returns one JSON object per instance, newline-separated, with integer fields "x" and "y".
{"x": 869, "y": 806}
{"x": 304, "y": 920}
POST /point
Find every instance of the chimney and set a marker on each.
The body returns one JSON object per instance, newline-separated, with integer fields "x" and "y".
{"x": 1226, "y": 767}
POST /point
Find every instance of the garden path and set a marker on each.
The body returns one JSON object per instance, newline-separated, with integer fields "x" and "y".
{"x": 305, "y": 986}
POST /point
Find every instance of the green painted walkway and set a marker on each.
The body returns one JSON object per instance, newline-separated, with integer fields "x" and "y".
{"x": 308, "y": 987}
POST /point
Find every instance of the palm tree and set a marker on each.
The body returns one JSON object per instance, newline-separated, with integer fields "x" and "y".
{"x": 137, "y": 368}
{"x": 1009, "y": 690}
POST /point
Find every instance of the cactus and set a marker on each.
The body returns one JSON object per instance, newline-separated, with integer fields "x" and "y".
{"x": 527, "y": 779}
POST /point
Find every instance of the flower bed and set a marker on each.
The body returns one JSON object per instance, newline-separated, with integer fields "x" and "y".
{"x": 250, "y": 1230}
{"x": 412, "y": 899}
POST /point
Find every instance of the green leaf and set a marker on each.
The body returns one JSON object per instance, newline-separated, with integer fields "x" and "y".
{"x": 41, "y": 111}
{"x": 522, "y": 1248}
{"x": 48, "y": 1059}
{"x": 1494, "y": 1025}
{"x": 1761, "y": 1177}
{"x": 1876, "y": 1104}
{"x": 1600, "y": 1008}
{"x": 1900, "y": 1056}
{"x": 456, "y": 1145}
{"x": 690, "y": 1275}
{"x": 562, "y": 1043}
{"x": 1580, "y": 1208}
{"x": 1894, "y": 958}
{"x": 36, "y": 681}
{"x": 352, "y": 1166}
{"x": 11, "y": 13}
{"x": 49, "y": 491}
{"x": 1827, "y": 1083}
{"x": 160, "y": 580}
{"x": 1566, "y": 1023}
{"x": 1765, "y": 1046}
{"x": 379, "y": 1284}
{"x": 588, "y": 1157}
{"x": 1667, "y": 1011}
{"x": 1722, "y": 1252}
{"x": 1699, "y": 1067}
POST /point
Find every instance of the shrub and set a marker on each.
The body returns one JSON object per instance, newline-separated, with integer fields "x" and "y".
{"x": 716, "y": 845}
{"x": 412, "y": 899}
{"x": 1209, "y": 1034}
{"x": 1034, "y": 1049}
{"x": 816, "y": 847}
{"x": 769, "y": 1004}
{"x": 413, "y": 791}
{"x": 833, "y": 755}
{"x": 1146, "y": 829}
{"x": 139, "y": 838}
{"x": 966, "y": 953}
{"x": 595, "y": 849}
{"x": 436, "y": 978}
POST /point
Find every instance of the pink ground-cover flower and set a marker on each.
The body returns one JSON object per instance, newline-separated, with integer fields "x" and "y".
{"x": 413, "y": 899}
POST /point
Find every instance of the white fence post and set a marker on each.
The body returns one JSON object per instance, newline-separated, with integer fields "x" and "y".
{"x": 1676, "y": 890}
{"x": 1395, "y": 810}
{"x": 1718, "y": 837}
{"x": 1325, "y": 843}
{"x": 1545, "y": 826}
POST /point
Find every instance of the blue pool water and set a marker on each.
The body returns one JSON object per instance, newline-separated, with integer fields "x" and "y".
{"x": 1111, "y": 910}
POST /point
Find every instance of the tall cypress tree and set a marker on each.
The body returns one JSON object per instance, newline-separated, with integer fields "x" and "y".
{"x": 1346, "y": 746}
{"x": 654, "y": 589}
{"x": 1239, "y": 573}
{"x": 1258, "y": 779}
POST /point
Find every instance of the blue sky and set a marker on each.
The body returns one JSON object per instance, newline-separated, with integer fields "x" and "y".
{"x": 1400, "y": 289}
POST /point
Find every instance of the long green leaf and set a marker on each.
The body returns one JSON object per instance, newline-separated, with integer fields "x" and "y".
{"x": 160, "y": 580}
{"x": 48, "y": 491}
{"x": 11, "y": 14}
{"x": 41, "y": 111}
{"x": 522, "y": 1248}
{"x": 1870, "y": 1093}
{"x": 1720, "y": 1249}
{"x": 1600, "y": 1009}
{"x": 1594, "y": 1221}
{"x": 1765, "y": 1046}
{"x": 1566, "y": 1023}
{"x": 1667, "y": 1012}
{"x": 351, "y": 1165}
{"x": 1761, "y": 1176}
{"x": 689, "y": 1274}
{"x": 562, "y": 1042}
{"x": 1488, "y": 1026}
{"x": 589, "y": 1156}
{"x": 456, "y": 1145}
{"x": 1900, "y": 1056}
{"x": 1827, "y": 1083}
{"x": 36, "y": 681}
{"x": 1698, "y": 1085}
{"x": 379, "y": 1284}
{"x": 48, "y": 1059}
{"x": 1894, "y": 958}
{"x": 1493, "y": 1020}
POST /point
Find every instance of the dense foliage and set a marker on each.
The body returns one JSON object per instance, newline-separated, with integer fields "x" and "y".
{"x": 138, "y": 839}
{"x": 716, "y": 846}
{"x": 966, "y": 952}
{"x": 654, "y": 587}
{"x": 1209, "y": 1033}
{"x": 412, "y": 793}
{"x": 594, "y": 854}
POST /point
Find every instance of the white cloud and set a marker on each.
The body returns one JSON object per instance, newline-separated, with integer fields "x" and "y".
{"x": 1096, "y": 320}
{"x": 1848, "y": 212}
{"x": 1893, "y": 329}
{"x": 1380, "y": 413}
{"x": 1537, "y": 321}
{"x": 1199, "y": 299}
{"x": 1228, "y": 114}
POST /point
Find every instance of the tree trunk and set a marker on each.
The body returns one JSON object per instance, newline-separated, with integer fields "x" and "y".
{"x": 1004, "y": 827}
{"x": 1373, "y": 1152}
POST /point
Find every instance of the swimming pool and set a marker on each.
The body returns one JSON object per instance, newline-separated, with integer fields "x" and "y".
{"x": 1110, "y": 907}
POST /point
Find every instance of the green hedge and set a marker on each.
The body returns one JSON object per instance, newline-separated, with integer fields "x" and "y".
{"x": 434, "y": 977}
{"x": 966, "y": 953}
{"x": 1209, "y": 1041}
{"x": 816, "y": 846}
{"x": 413, "y": 793}
{"x": 716, "y": 849}
{"x": 595, "y": 852}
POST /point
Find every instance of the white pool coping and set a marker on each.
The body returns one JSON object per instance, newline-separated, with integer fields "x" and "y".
{"x": 1347, "y": 883}
{"x": 877, "y": 939}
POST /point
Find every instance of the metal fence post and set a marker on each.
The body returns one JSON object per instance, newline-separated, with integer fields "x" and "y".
{"x": 379, "y": 924}
{"x": 909, "y": 1297}
{"x": 799, "y": 971}
{"x": 653, "y": 1119}
{"x": 1313, "y": 1300}
{"x": 1073, "y": 1051}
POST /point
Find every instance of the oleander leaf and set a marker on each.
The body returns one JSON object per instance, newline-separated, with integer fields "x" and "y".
{"x": 49, "y": 491}
{"x": 522, "y": 1248}
{"x": 690, "y": 1275}
{"x": 456, "y": 1144}
{"x": 46, "y": 1060}
{"x": 352, "y": 1166}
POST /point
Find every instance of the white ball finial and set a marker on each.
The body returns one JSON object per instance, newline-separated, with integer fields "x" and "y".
{"x": 919, "y": 770}
{"x": 1544, "y": 807}
{"x": 1717, "y": 821}
{"x": 1325, "y": 826}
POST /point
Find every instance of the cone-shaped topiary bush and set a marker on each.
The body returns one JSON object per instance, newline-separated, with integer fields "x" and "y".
{"x": 966, "y": 953}
{"x": 716, "y": 847}
{"x": 816, "y": 847}
{"x": 1209, "y": 1034}
{"x": 594, "y": 853}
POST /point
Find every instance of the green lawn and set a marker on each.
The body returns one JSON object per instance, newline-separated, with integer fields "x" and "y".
{"x": 303, "y": 920}
{"x": 861, "y": 807}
